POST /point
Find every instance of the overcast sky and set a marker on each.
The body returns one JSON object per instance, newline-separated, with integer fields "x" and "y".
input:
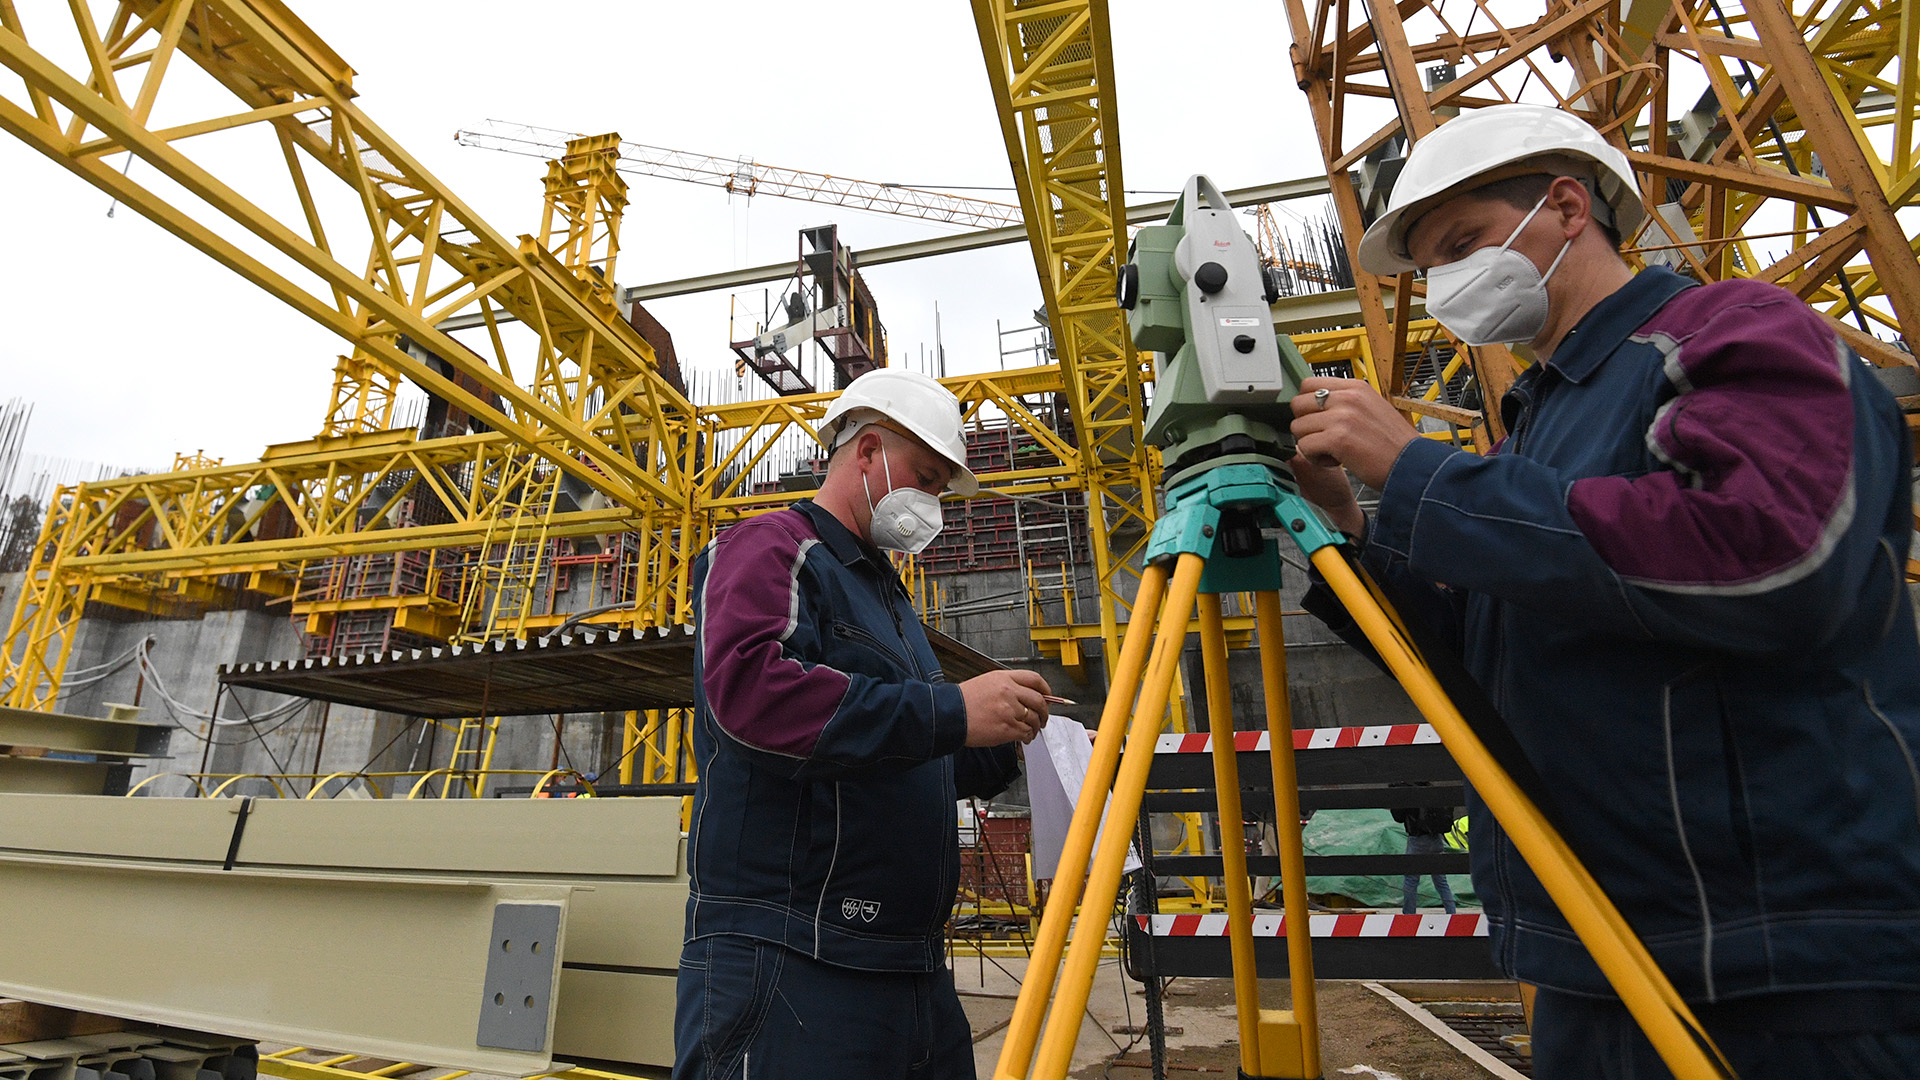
{"x": 133, "y": 346}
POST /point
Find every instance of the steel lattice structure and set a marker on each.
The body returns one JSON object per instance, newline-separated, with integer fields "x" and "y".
{"x": 584, "y": 399}
{"x": 1820, "y": 150}
{"x": 1050, "y": 67}
{"x": 745, "y": 177}
{"x": 1803, "y": 140}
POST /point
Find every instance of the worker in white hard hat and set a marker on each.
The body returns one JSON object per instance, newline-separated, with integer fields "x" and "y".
{"x": 1680, "y": 580}
{"x": 823, "y": 853}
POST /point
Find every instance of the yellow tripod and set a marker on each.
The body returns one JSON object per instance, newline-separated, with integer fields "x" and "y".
{"x": 1278, "y": 1043}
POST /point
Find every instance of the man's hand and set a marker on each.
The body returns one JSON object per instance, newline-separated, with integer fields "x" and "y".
{"x": 1004, "y": 706}
{"x": 1329, "y": 489}
{"x": 1352, "y": 426}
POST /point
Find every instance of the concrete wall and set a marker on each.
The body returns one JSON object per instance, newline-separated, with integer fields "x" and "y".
{"x": 314, "y": 738}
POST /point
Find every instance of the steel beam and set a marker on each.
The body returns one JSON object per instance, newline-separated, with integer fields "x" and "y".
{"x": 308, "y": 958}
{"x": 363, "y": 926}
{"x": 1305, "y": 187}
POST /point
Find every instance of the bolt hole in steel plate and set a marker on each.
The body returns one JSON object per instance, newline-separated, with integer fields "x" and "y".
{"x": 518, "y": 998}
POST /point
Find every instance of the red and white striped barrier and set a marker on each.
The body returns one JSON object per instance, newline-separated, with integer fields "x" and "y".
{"x": 1273, "y": 924}
{"x": 1307, "y": 739}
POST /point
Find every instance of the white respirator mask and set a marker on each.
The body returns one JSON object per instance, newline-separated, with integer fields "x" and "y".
{"x": 905, "y": 519}
{"x": 1495, "y": 296}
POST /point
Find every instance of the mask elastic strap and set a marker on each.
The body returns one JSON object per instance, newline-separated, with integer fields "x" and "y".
{"x": 1515, "y": 234}
{"x": 1564, "y": 248}
{"x": 885, "y": 464}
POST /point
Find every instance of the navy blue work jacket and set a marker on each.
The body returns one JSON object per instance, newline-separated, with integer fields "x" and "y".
{"x": 831, "y": 750}
{"x": 1681, "y": 581}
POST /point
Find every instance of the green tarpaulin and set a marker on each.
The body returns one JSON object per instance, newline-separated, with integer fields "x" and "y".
{"x": 1371, "y": 832}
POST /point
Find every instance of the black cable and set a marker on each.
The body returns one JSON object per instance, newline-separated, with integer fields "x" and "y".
{"x": 362, "y": 770}
{"x": 560, "y": 741}
{"x": 638, "y": 741}
{"x": 264, "y": 745}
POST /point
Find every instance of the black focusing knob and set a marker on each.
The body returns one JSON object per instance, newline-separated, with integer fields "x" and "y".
{"x": 1243, "y": 343}
{"x": 1127, "y": 290}
{"x": 1270, "y": 282}
{"x": 1211, "y": 277}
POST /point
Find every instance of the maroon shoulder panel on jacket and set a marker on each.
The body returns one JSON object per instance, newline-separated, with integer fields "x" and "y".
{"x": 757, "y": 690}
{"x": 1758, "y": 441}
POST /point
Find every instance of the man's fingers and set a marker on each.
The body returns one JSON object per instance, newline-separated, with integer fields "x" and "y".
{"x": 1309, "y": 424}
{"x": 1316, "y": 447}
{"x": 1032, "y": 700}
{"x": 1030, "y": 679}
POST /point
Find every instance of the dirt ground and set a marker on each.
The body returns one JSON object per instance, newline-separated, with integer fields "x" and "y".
{"x": 1362, "y": 1035}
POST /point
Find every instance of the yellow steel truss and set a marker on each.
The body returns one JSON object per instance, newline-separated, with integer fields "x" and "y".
{"x": 1050, "y": 68}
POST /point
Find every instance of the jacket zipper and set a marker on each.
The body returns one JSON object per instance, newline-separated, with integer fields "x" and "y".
{"x": 899, "y": 628}
{"x": 1525, "y": 425}
{"x": 873, "y": 639}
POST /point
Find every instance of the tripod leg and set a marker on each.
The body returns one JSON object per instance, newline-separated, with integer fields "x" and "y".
{"x": 1286, "y": 821}
{"x": 1642, "y": 986}
{"x": 1233, "y": 841}
{"x": 1029, "y": 1011}
{"x": 1103, "y": 882}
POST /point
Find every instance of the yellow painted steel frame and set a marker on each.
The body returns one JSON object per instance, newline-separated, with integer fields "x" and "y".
{"x": 1050, "y": 68}
{"x": 429, "y": 256}
{"x": 162, "y": 541}
{"x": 593, "y": 406}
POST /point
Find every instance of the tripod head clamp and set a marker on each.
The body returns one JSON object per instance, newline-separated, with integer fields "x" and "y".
{"x": 1196, "y": 295}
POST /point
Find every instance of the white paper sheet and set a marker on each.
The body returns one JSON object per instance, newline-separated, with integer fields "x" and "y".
{"x": 1056, "y": 768}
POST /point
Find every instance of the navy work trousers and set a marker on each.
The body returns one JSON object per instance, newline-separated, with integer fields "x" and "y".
{"x": 752, "y": 1010}
{"x": 1578, "y": 1038}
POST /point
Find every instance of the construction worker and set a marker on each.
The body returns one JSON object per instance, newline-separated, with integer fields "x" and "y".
{"x": 1680, "y": 580}
{"x": 823, "y": 854}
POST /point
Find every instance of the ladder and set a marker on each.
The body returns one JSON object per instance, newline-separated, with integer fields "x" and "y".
{"x": 499, "y": 595}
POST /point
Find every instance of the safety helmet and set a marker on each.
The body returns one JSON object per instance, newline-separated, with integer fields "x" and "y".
{"x": 1468, "y": 151}
{"x": 917, "y": 404}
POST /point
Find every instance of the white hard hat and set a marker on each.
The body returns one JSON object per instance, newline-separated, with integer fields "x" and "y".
{"x": 1461, "y": 154}
{"x": 916, "y": 403}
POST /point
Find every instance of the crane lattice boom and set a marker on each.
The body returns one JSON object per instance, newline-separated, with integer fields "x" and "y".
{"x": 745, "y": 177}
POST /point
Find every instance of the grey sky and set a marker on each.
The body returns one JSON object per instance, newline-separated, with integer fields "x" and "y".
{"x": 134, "y": 346}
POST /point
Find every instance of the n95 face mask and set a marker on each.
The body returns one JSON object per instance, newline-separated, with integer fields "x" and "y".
{"x": 1494, "y": 296}
{"x": 905, "y": 519}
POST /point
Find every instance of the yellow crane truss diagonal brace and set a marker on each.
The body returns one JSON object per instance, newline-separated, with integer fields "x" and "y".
{"x": 596, "y": 405}
{"x": 1050, "y": 67}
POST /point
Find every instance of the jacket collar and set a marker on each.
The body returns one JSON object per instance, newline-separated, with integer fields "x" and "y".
{"x": 1613, "y": 320}
{"x": 840, "y": 540}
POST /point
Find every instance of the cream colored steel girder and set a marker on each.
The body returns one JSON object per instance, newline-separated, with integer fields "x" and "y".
{"x": 1050, "y": 68}
{"x": 198, "y": 943}
{"x": 619, "y": 858}
{"x": 429, "y": 255}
